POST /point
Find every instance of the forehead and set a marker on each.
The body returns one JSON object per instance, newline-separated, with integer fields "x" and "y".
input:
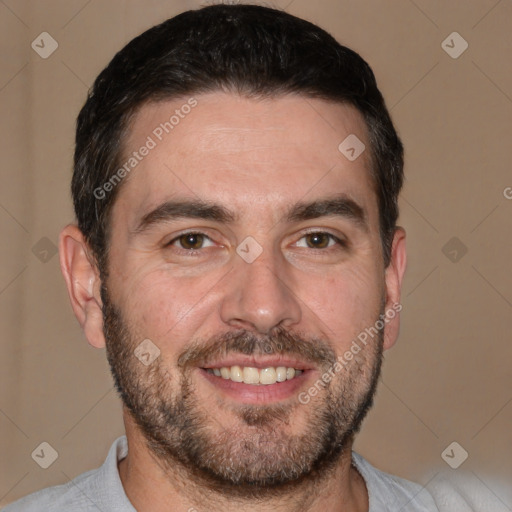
{"x": 242, "y": 152}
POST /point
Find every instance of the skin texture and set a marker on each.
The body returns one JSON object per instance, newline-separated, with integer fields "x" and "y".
{"x": 192, "y": 446}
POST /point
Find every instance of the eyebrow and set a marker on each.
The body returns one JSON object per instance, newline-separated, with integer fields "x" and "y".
{"x": 194, "y": 209}
{"x": 340, "y": 206}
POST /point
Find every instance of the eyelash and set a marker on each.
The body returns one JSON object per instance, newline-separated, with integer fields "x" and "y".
{"x": 187, "y": 251}
{"x": 341, "y": 243}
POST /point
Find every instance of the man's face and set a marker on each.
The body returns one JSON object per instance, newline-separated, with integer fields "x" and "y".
{"x": 283, "y": 269}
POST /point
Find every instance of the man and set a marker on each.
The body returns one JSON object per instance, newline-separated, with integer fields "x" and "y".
{"x": 236, "y": 252}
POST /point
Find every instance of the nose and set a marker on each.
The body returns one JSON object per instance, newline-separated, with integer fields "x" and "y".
{"x": 259, "y": 295}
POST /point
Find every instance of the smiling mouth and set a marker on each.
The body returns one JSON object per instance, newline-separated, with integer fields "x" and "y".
{"x": 255, "y": 376}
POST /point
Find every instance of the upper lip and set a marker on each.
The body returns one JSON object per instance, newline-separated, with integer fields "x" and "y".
{"x": 259, "y": 362}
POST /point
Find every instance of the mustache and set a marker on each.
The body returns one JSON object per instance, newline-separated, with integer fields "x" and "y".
{"x": 314, "y": 350}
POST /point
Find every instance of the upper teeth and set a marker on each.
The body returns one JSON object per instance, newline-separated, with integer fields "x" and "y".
{"x": 250, "y": 375}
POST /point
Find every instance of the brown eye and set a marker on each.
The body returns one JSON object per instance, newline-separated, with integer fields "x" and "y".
{"x": 318, "y": 240}
{"x": 191, "y": 240}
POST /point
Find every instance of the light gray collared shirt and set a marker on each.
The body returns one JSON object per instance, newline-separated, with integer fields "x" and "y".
{"x": 101, "y": 490}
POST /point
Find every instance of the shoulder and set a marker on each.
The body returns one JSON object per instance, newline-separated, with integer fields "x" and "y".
{"x": 446, "y": 491}
{"x": 98, "y": 489}
{"x": 59, "y": 497}
{"x": 467, "y": 492}
{"x": 388, "y": 492}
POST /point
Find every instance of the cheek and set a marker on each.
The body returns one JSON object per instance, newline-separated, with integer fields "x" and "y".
{"x": 167, "y": 310}
{"x": 346, "y": 303}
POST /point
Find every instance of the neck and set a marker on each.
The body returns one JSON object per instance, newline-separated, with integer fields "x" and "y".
{"x": 156, "y": 487}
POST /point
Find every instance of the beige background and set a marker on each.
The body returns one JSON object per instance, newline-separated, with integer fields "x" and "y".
{"x": 449, "y": 377}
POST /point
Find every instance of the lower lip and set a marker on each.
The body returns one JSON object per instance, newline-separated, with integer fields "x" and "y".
{"x": 258, "y": 394}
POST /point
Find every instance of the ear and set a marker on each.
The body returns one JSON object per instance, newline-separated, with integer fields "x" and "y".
{"x": 83, "y": 282}
{"x": 394, "y": 274}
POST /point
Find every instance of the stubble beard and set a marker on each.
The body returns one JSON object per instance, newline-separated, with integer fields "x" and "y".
{"x": 258, "y": 457}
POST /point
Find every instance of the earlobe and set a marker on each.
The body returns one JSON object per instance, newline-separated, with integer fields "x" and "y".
{"x": 83, "y": 283}
{"x": 394, "y": 276}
